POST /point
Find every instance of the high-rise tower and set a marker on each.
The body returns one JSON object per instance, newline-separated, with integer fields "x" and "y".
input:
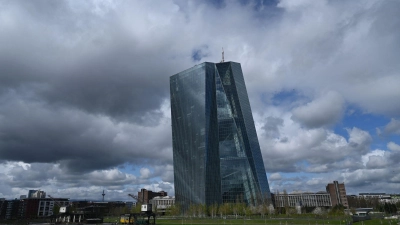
{"x": 217, "y": 156}
{"x": 337, "y": 192}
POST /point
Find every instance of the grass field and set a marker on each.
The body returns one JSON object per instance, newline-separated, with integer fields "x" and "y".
{"x": 304, "y": 219}
{"x": 268, "y": 221}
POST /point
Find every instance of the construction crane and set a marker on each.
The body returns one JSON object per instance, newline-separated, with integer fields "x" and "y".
{"x": 63, "y": 209}
{"x": 136, "y": 198}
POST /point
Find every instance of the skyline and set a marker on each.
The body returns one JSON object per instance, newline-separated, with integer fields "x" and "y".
{"x": 84, "y": 91}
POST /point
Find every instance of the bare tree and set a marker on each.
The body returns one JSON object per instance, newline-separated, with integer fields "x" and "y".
{"x": 174, "y": 210}
{"x": 286, "y": 201}
{"x": 213, "y": 209}
{"x": 225, "y": 209}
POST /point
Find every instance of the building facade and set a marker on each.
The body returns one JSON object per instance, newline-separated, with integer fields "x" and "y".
{"x": 46, "y": 206}
{"x": 306, "y": 199}
{"x": 13, "y": 209}
{"x": 337, "y": 192}
{"x": 144, "y": 196}
{"x": 36, "y": 194}
{"x": 217, "y": 157}
{"x": 162, "y": 204}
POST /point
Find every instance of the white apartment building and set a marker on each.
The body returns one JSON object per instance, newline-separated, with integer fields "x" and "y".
{"x": 319, "y": 199}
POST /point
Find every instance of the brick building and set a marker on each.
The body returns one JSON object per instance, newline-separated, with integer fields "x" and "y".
{"x": 145, "y": 196}
{"x": 338, "y": 194}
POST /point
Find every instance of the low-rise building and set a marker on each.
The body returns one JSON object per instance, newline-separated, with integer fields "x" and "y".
{"x": 161, "y": 204}
{"x": 47, "y": 205}
{"x": 306, "y": 199}
{"x": 144, "y": 196}
{"x": 372, "y": 195}
{"x": 382, "y": 197}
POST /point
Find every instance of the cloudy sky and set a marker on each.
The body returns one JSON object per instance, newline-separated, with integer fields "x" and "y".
{"x": 84, "y": 90}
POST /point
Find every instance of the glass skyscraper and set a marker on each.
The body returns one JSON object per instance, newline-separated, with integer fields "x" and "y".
{"x": 217, "y": 156}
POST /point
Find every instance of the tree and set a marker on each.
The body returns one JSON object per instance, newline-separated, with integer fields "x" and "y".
{"x": 201, "y": 209}
{"x": 191, "y": 212}
{"x": 56, "y": 209}
{"x": 174, "y": 210}
{"x": 137, "y": 208}
{"x": 278, "y": 202}
{"x": 213, "y": 210}
{"x": 238, "y": 207}
{"x": 388, "y": 208}
{"x": 263, "y": 209}
{"x": 337, "y": 210}
{"x": 247, "y": 210}
{"x": 225, "y": 209}
{"x": 286, "y": 201}
{"x": 362, "y": 203}
{"x": 394, "y": 208}
{"x": 71, "y": 209}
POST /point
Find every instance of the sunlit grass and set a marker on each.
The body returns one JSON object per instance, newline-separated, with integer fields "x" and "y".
{"x": 302, "y": 220}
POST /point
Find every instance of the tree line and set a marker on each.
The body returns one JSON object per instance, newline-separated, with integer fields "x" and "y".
{"x": 375, "y": 203}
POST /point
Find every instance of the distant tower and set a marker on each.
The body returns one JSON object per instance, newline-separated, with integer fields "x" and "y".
{"x": 223, "y": 60}
{"x": 103, "y": 195}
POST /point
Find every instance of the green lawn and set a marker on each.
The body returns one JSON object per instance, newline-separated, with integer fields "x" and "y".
{"x": 269, "y": 221}
{"x": 272, "y": 221}
{"x": 303, "y": 220}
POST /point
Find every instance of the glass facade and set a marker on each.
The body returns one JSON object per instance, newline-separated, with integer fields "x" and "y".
{"x": 217, "y": 156}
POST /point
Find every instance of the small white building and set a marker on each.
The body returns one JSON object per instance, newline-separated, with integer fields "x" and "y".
{"x": 383, "y": 197}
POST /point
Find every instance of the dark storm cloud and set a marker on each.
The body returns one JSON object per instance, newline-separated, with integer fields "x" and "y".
{"x": 72, "y": 81}
{"x": 36, "y": 132}
{"x": 82, "y": 60}
{"x": 113, "y": 86}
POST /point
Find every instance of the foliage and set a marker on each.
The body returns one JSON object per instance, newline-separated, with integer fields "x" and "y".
{"x": 337, "y": 210}
{"x": 72, "y": 209}
{"x": 318, "y": 211}
{"x": 286, "y": 202}
{"x": 56, "y": 209}
{"x": 388, "y": 208}
{"x": 174, "y": 210}
{"x": 361, "y": 202}
{"x": 137, "y": 208}
{"x": 225, "y": 209}
{"x": 213, "y": 210}
{"x": 290, "y": 220}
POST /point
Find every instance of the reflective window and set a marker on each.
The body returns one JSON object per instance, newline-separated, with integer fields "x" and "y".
{"x": 217, "y": 156}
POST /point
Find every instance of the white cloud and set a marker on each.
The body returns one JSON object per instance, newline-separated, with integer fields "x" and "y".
{"x": 374, "y": 159}
{"x": 295, "y": 148}
{"x": 317, "y": 181}
{"x": 323, "y": 111}
{"x": 393, "y": 127}
{"x": 275, "y": 176}
{"x": 394, "y": 147}
{"x": 144, "y": 173}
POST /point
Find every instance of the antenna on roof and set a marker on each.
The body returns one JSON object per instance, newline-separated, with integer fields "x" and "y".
{"x": 223, "y": 60}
